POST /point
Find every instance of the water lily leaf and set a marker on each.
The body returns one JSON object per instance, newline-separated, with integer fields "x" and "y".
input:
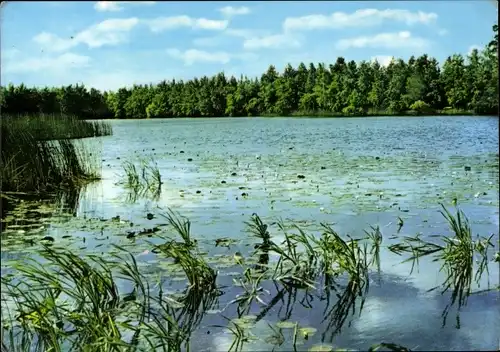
{"x": 307, "y": 331}
{"x": 285, "y": 324}
{"x": 321, "y": 348}
{"x": 242, "y": 323}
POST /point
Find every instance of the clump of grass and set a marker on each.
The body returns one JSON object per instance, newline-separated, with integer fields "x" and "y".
{"x": 56, "y": 127}
{"x": 38, "y": 159}
{"x": 251, "y": 291}
{"x": 71, "y": 302}
{"x": 143, "y": 180}
{"x": 259, "y": 230}
{"x": 199, "y": 274}
{"x": 457, "y": 255}
{"x": 330, "y": 256}
{"x": 375, "y": 236}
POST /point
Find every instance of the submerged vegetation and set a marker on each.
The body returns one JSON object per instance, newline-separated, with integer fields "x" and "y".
{"x": 110, "y": 304}
{"x": 418, "y": 86}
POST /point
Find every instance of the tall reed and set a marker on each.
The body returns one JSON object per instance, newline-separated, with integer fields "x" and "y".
{"x": 38, "y": 154}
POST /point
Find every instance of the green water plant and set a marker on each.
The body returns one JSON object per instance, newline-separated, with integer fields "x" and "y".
{"x": 73, "y": 301}
{"x": 457, "y": 255}
{"x": 252, "y": 291}
{"x": 141, "y": 180}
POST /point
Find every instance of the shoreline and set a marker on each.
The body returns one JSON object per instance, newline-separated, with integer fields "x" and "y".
{"x": 313, "y": 116}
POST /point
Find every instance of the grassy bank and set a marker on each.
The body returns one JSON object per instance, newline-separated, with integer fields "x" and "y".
{"x": 73, "y": 301}
{"x": 39, "y": 154}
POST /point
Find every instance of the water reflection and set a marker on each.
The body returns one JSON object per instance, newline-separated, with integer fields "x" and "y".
{"x": 347, "y": 186}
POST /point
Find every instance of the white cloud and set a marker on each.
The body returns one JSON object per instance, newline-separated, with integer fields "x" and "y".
{"x": 230, "y": 11}
{"x": 274, "y": 41}
{"x": 113, "y": 6}
{"x": 192, "y": 56}
{"x": 121, "y": 78}
{"x": 53, "y": 42}
{"x": 362, "y": 17}
{"x": 165, "y": 23}
{"x": 442, "y": 32}
{"x": 222, "y": 39}
{"x": 108, "y": 32}
{"x": 384, "y": 40}
{"x": 208, "y": 41}
{"x": 242, "y": 33}
{"x": 9, "y": 54}
{"x": 383, "y": 60}
{"x": 59, "y": 63}
{"x": 472, "y": 48}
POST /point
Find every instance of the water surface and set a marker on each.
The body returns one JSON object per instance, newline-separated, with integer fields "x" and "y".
{"x": 358, "y": 172}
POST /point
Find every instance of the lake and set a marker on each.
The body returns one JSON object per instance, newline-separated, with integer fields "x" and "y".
{"x": 351, "y": 173}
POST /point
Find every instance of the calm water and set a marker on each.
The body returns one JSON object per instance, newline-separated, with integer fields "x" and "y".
{"x": 357, "y": 173}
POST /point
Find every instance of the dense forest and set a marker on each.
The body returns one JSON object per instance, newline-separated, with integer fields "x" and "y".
{"x": 420, "y": 85}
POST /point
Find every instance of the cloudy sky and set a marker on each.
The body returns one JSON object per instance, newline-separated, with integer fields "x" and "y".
{"x": 109, "y": 44}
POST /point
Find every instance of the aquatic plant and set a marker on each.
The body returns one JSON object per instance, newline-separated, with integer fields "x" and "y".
{"x": 375, "y": 236}
{"x": 143, "y": 180}
{"x": 72, "y": 302}
{"x": 456, "y": 254}
{"x": 45, "y": 127}
{"x": 199, "y": 274}
{"x": 251, "y": 291}
{"x": 37, "y": 158}
{"x": 239, "y": 329}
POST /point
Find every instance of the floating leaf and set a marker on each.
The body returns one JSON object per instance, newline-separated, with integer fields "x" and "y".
{"x": 321, "y": 348}
{"x": 285, "y": 324}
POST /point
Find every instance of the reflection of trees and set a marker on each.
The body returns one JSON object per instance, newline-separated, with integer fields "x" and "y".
{"x": 65, "y": 202}
{"x": 69, "y": 200}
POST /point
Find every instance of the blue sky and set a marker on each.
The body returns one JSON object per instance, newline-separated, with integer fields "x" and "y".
{"x": 110, "y": 44}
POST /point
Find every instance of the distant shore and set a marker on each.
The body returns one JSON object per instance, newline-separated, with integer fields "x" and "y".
{"x": 306, "y": 115}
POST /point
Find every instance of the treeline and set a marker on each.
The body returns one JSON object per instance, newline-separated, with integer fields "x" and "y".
{"x": 462, "y": 84}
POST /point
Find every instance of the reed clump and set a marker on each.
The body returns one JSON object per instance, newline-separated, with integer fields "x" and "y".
{"x": 39, "y": 154}
{"x": 55, "y": 127}
{"x": 142, "y": 180}
{"x": 458, "y": 255}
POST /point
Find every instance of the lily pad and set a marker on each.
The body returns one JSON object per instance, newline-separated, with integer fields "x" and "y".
{"x": 285, "y": 324}
{"x": 307, "y": 331}
{"x": 243, "y": 323}
{"x": 321, "y": 348}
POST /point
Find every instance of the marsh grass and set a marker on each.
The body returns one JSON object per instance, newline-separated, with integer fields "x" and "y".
{"x": 456, "y": 253}
{"x": 329, "y": 256}
{"x": 252, "y": 291}
{"x": 200, "y": 275}
{"x": 72, "y": 302}
{"x": 69, "y": 300}
{"x": 38, "y": 157}
{"x": 56, "y": 127}
{"x": 142, "y": 180}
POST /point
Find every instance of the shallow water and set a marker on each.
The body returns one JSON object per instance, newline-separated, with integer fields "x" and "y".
{"x": 358, "y": 172}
